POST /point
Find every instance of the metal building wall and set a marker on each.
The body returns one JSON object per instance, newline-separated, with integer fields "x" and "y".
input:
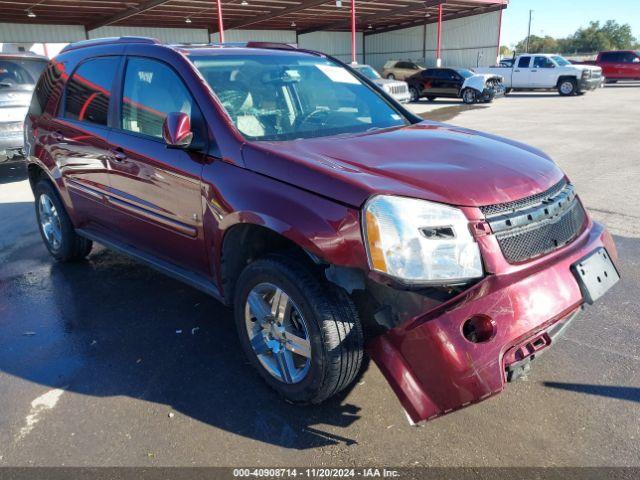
{"x": 466, "y": 42}
{"x": 167, "y": 35}
{"x": 337, "y": 44}
{"x": 280, "y": 36}
{"x": 38, "y": 33}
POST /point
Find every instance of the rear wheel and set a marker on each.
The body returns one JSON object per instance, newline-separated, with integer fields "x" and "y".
{"x": 413, "y": 93}
{"x": 431, "y": 98}
{"x": 469, "y": 96}
{"x": 391, "y": 76}
{"x": 56, "y": 229}
{"x": 508, "y": 91}
{"x": 303, "y": 335}
{"x": 567, "y": 87}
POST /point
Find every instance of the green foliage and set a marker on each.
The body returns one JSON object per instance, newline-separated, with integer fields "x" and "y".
{"x": 593, "y": 38}
{"x": 505, "y": 51}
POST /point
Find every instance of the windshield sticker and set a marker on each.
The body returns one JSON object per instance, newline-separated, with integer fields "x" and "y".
{"x": 337, "y": 74}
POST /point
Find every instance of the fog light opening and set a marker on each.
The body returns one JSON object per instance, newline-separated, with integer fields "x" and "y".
{"x": 479, "y": 329}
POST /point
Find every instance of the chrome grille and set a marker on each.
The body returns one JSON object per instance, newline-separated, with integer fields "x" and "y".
{"x": 491, "y": 210}
{"x": 537, "y": 225}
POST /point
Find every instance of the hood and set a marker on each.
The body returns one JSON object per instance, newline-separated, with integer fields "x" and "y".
{"x": 581, "y": 68}
{"x": 387, "y": 81}
{"x": 428, "y": 160}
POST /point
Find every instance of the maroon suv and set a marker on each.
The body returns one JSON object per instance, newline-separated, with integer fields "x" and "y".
{"x": 287, "y": 185}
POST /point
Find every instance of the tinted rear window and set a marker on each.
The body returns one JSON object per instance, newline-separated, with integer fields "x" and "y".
{"x": 45, "y": 88}
{"x": 89, "y": 90}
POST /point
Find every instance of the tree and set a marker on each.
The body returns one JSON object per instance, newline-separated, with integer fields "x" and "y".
{"x": 537, "y": 44}
{"x": 505, "y": 51}
{"x": 593, "y": 38}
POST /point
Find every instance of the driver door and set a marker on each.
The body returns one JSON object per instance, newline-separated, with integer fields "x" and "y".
{"x": 543, "y": 73}
{"x": 155, "y": 190}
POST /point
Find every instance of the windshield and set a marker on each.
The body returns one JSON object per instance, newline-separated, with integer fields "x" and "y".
{"x": 18, "y": 71}
{"x": 464, "y": 72}
{"x": 284, "y": 97}
{"x": 561, "y": 61}
{"x": 368, "y": 72}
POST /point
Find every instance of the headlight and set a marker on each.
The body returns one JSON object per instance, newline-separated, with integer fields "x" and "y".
{"x": 420, "y": 242}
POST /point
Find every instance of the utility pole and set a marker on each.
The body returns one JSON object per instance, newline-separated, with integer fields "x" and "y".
{"x": 529, "y": 32}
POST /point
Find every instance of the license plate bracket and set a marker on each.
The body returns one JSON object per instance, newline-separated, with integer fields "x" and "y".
{"x": 595, "y": 274}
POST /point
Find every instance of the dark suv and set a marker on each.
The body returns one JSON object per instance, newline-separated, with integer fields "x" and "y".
{"x": 288, "y": 186}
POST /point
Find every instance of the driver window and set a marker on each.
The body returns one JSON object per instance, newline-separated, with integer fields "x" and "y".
{"x": 151, "y": 91}
{"x": 542, "y": 62}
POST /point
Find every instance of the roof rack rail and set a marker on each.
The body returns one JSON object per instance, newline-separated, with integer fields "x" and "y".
{"x": 109, "y": 41}
{"x": 271, "y": 45}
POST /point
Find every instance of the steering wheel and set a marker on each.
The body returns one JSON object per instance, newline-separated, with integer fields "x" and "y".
{"x": 319, "y": 113}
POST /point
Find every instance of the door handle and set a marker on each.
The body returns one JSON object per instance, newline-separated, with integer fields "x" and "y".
{"x": 534, "y": 70}
{"x": 118, "y": 154}
{"x": 517, "y": 71}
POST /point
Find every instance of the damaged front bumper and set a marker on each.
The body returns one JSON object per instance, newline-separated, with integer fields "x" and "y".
{"x": 434, "y": 369}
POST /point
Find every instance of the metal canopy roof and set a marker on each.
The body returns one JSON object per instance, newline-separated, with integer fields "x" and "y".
{"x": 304, "y": 16}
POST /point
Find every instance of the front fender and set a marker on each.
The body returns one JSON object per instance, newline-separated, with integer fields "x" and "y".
{"x": 233, "y": 195}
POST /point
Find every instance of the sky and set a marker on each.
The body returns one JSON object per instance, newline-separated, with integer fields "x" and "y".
{"x": 560, "y": 18}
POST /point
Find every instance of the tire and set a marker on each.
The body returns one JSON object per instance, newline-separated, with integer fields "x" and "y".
{"x": 567, "y": 87}
{"x": 431, "y": 98}
{"x": 469, "y": 96}
{"x": 331, "y": 326}
{"x": 391, "y": 76}
{"x": 415, "y": 96}
{"x": 55, "y": 226}
{"x": 508, "y": 91}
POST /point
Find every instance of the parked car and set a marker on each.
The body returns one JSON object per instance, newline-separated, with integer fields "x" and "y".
{"x": 396, "y": 88}
{"x": 617, "y": 65}
{"x": 547, "y": 72}
{"x": 455, "y": 83}
{"x": 400, "y": 69}
{"x": 18, "y": 75}
{"x": 327, "y": 215}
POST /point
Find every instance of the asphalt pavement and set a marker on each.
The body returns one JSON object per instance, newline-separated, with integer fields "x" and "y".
{"x": 108, "y": 363}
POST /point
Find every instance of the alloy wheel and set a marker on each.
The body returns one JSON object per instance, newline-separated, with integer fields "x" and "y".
{"x": 566, "y": 88}
{"x": 278, "y": 333}
{"x": 50, "y": 222}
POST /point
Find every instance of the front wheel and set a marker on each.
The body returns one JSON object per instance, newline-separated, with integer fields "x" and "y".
{"x": 413, "y": 93}
{"x": 391, "y": 76}
{"x": 469, "y": 96}
{"x": 302, "y": 334}
{"x": 56, "y": 229}
{"x": 567, "y": 87}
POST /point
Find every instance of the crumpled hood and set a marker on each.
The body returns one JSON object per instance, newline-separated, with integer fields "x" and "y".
{"x": 428, "y": 160}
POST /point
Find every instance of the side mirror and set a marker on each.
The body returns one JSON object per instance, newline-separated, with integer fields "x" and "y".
{"x": 176, "y": 130}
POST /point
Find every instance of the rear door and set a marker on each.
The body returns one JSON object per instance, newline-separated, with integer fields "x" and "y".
{"x": 78, "y": 137}
{"x": 155, "y": 190}
{"x": 521, "y": 73}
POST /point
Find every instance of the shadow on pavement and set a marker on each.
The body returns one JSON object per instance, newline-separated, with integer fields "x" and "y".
{"x": 611, "y": 391}
{"x": 111, "y": 327}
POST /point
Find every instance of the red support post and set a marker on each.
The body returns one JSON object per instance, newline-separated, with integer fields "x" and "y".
{"x": 499, "y": 35}
{"x": 439, "y": 48}
{"x": 353, "y": 31}
{"x": 220, "y": 23}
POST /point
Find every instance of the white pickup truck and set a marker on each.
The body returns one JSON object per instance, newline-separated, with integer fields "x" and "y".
{"x": 547, "y": 72}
